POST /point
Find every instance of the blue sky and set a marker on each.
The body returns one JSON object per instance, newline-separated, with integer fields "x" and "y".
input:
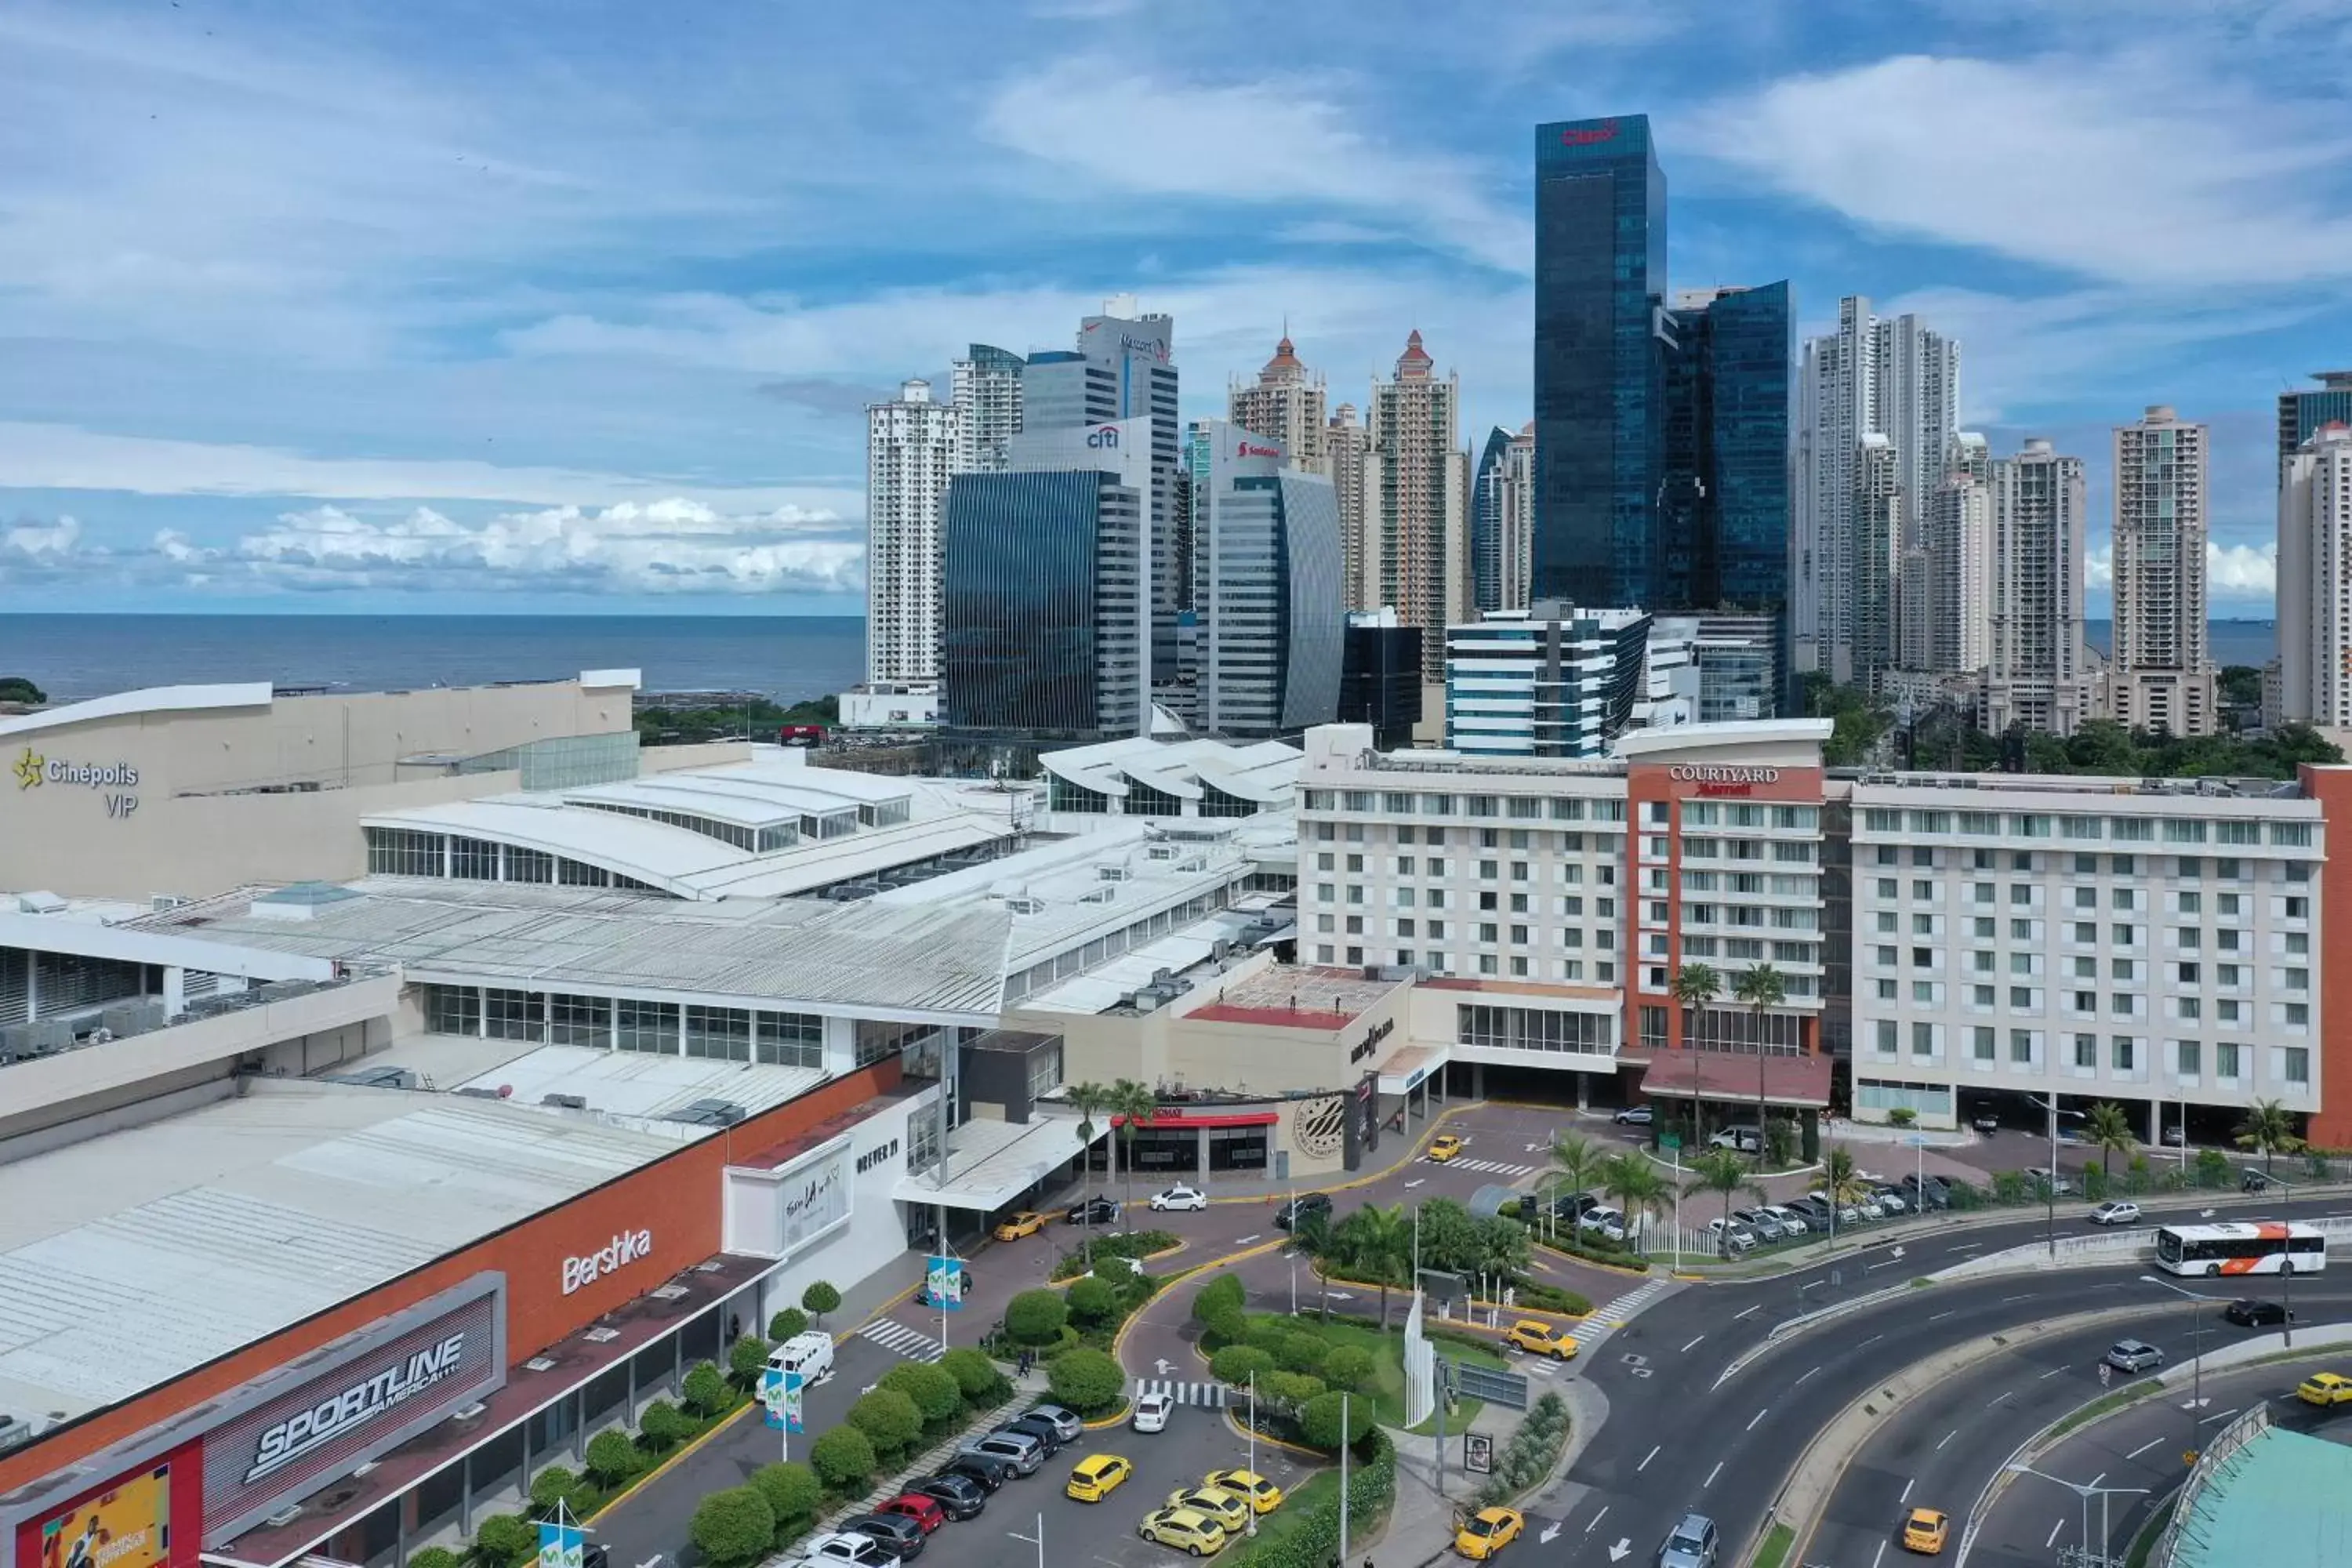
{"x": 572, "y": 305}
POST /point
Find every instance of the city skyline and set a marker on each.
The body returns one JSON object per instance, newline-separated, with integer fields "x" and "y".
{"x": 528, "y": 362}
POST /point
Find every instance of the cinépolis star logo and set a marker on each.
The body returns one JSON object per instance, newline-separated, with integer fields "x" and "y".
{"x": 28, "y": 768}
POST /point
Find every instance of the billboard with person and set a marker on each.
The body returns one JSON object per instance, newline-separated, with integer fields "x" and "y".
{"x": 128, "y": 1525}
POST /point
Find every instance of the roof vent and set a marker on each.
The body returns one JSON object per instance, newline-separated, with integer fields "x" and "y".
{"x": 283, "y": 1517}
{"x": 540, "y": 1364}
{"x": 467, "y": 1412}
{"x": 600, "y": 1335}
{"x": 565, "y": 1101}
{"x": 39, "y": 903}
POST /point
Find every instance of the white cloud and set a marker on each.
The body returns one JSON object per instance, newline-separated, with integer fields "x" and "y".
{"x": 2137, "y": 168}
{"x": 62, "y": 457}
{"x": 1272, "y": 142}
{"x": 2239, "y": 571}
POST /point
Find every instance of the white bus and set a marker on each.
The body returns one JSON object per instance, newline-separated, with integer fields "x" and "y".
{"x": 2265, "y": 1246}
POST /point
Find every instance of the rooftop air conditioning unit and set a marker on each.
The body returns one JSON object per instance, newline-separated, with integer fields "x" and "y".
{"x": 1024, "y": 906}
{"x": 565, "y": 1101}
{"x": 38, "y": 903}
{"x": 162, "y": 903}
{"x": 1113, "y": 873}
{"x": 475, "y": 1091}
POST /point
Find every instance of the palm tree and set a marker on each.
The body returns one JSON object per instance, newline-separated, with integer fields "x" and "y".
{"x": 1636, "y": 1186}
{"x": 1133, "y": 1103}
{"x": 2110, "y": 1128}
{"x": 1695, "y": 985}
{"x": 1578, "y": 1161}
{"x": 1377, "y": 1244}
{"x": 1089, "y": 1100}
{"x": 1722, "y": 1171}
{"x": 1760, "y": 988}
{"x": 2268, "y": 1129}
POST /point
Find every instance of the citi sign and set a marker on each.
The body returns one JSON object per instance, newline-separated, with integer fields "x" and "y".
{"x": 624, "y": 1248}
{"x": 1103, "y": 437}
{"x": 1586, "y": 135}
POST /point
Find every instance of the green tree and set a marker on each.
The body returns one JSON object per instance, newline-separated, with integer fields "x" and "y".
{"x": 16, "y": 689}
{"x": 1696, "y": 986}
{"x": 1760, "y": 989}
{"x": 820, "y": 1298}
{"x": 1725, "y": 1172}
{"x": 435, "y": 1557}
{"x": 663, "y": 1425}
{"x": 1375, "y": 1244}
{"x": 505, "y": 1541}
{"x": 1578, "y": 1159}
{"x": 1036, "y": 1317}
{"x": 705, "y": 1389}
{"x": 1224, "y": 1291}
{"x": 843, "y": 1459}
{"x": 1134, "y": 1104}
{"x": 612, "y": 1458}
{"x": 890, "y": 1420}
{"x": 785, "y": 1324}
{"x": 1633, "y": 1184}
{"x": 1347, "y": 1368}
{"x": 937, "y": 1394}
{"x": 1088, "y": 1381}
{"x": 1236, "y": 1364}
{"x": 2110, "y": 1130}
{"x": 2212, "y": 1168}
{"x": 1300, "y": 1353}
{"x": 1840, "y": 1178}
{"x": 1289, "y": 1391}
{"x": 2268, "y": 1129}
{"x": 791, "y": 1492}
{"x": 747, "y": 1358}
{"x": 977, "y": 1376}
{"x": 1449, "y": 1236}
{"x": 1089, "y": 1100}
{"x": 1320, "y": 1418}
{"x": 551, "y": 1486}
{"x": 734, "y": 1526}
{"x": 1093, "y": 1303}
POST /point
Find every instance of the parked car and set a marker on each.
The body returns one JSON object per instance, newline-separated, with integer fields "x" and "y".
{"x": 959, "y": 1494}
{"x": 2114, "y": 1211}
{"x": 2252, "y": 1314}
{"x": 2134, "y": 1355}
{"x": 989, "y": 1472}
{"x": 1791, "y": 1222}
{"x": 1048, "y": 1436}
{"x": 1932, "y": 1194}
{"x": 1264, "y": 1496}
{"x": 1228, "y": 1508}
{"x": 1024, "y": 1221}
{"x": 1018, "y": 1449}
{"x": 1304, "y": 1206}
{"x": 1096, "y": 1477}
{"x": 1634, "y": 1116}
{"x": 1733, "y": 1238}
{"x": 1151, "y": 1412}
{"x": 1891, "y": 1199}
{"x": 1815, "y": 1213}
{"x": 901, "y": 1537}
{"x": 1743, "y": 1139}
{"x": 1691, "y": 1544}
{"x": 1984, "y": 1122}
{"x": 1097, "y": 1210}
{"x": 855, "y": 1549}
{"x": 925, "y": 1511}
{"x": 1767, "y": 1224}
{"x": 1178, "y": 1197}
{"x": 2043, "y": 1176}
{"x": 1605, "y": 1222}
{"x": 1186, "y": 1529}
{"x": 2174, "y": 1137}
{"x": 1065, "y": 1422}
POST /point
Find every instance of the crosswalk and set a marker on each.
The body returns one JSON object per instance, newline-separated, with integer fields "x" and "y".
{"x": 1208, "y": 1395}
{"x": 1491, "y": 1167}
{"x": 899, "y": 1338}
{"x": 1610, "y": 1314}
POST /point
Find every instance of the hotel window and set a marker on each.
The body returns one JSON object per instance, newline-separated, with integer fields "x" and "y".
{"x": 2237, "y": 833}
{"x": 2298, "y": 1014}
{"x": 2130, "y": 830}
{"x": 1923, "y": 1039}
{"x": 513, "y": 1014}
{"x": 1980, "y": 1039}
{"x": 2179, "y": 830}
{"x": 2291, "y": 835}
{"x": 2225, "y": 1059}
{"x": 1887, "y": 1036}
{"x": 2021, "y": 1046}
{"x": 2025, "y": 998}
{"x": 2297, "y": 1062}
{"x": 1886, "y": 990}
{"x": 1984, "y": 926}
{"x": 580, "y": 1021}
{"x": 2127, "y": 1052}
{"x": 648, "y": 1026}
{"x": 790, "y": 1039}
{"x": 2086, "y": 1051}
{"x": 1981, "y": 997}
{"x": 453, "y": 1010}
{"x": 2084, "y": 968}
{"x": 2185, "y": 1057}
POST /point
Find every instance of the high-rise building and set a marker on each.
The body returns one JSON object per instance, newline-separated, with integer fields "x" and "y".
{"x": 1487, "y": 545}
{"x": 1601, "y": 281}
{"x": 1268, "y": 596}
{"x": 1551, "y": 680}
{"x": 2160, "y": 674}
{"x": 987, "y": 387}
{"x": 910, "y": 450}
{"x": 1124, "y": 368}
{"x": 1957, "y": 598}
{"x": 1343, "y": 459}
{"x": 1380, "y": 676}
{"x": 1416, "y": 501}
{"x": 2037, "y": 675}
{"x": 1285, "y": 404}
{"x": 1894, "y": 378}
{"x": 1517, "y": 508}
{"x": 1721, "y": 540}
{"x": 2315, "y": 563}
{"x": 2302, "y": 415}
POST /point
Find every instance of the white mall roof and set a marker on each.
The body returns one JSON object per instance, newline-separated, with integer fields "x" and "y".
{"x": 147, "y": 700}
{"x": 989, "y": 1163}
{"x": 638, "y": 1089}
{"x": 1264, "y": 772}
{"x": 128, "y": 1259}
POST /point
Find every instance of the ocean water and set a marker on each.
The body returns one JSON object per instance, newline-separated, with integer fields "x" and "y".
{"x": 2234, "y": 642}
{"x": 788, "y": 658}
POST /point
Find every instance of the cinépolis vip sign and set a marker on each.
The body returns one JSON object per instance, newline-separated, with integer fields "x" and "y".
{"x": 117, "y": 781}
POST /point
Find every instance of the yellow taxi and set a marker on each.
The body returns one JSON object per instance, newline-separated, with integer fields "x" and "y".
{"x": 1230, "y": 1509}
{"x": 1026, "y": 1222}
{"x": 1263, "y": 1494}
{"x": 1926, "y": 1531}
{"x": 1488, "y": 1530}
{"x": 1445, "y": 1146}
{"x": 1098, "y": 1476}
{"x": 1184, "y": 1529}
{"x": 1540, "y": 1339}
{"x": 2325, "y": 1388}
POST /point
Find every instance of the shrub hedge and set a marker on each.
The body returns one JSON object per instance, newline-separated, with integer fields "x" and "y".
{"x": 1530, "y": 1454}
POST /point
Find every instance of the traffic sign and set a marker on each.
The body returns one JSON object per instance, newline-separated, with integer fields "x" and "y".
{"x": 1670, "y": 1140}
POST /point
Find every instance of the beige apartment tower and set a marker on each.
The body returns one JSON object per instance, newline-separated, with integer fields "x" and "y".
{"x": 1416, "y": 503}
{"x": 1286, "y": 403}
{"x": 2037, "y": 679}
{"x": 2161, "y": 676}
{"x": 1343, "y": 459}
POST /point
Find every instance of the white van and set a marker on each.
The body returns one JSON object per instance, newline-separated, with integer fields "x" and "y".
{"x": 809, "y": 1354}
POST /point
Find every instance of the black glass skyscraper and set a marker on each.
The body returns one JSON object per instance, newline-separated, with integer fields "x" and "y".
{"x": 1721, "y": 537}
{"x": 1601, "y": 279}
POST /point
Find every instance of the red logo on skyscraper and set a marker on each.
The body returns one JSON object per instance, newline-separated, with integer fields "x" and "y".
{"x": 1586, "y": 135}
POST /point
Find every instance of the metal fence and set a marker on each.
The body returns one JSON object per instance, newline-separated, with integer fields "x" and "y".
{"x": 2220, "y": 1455}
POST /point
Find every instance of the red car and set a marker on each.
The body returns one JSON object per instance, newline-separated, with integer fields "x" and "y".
{"x": 925, "y": 1511}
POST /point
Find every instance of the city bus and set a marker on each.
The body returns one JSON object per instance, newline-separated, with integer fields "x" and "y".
{"x": 2263, "y": 1247}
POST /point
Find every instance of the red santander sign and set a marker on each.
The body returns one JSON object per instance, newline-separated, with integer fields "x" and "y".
{"x": 1587, "y": 135}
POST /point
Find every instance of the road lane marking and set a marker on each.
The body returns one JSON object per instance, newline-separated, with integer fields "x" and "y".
{"x": 2052, "y": 1536}
{"x": 2143, "y": 1448}
{"x": 1596, "y": 1518}
{"x": 1947, "y": 1438}
{"x": 1647, "y": 1458}
{"x": 2219, "y": 1415}
{"x": 1970, "y": 1248}
{"x": 1870, "y": 1341}
{"x": 1906, "y": 1491}
{"x": 1941, "y": 1316}
{"x": 1876, "y": 1556}
{"x": 1760, "y": 1415}
{"x": 2097, "y": 1479}
{"x": 1244, "y": 1240}
{"x": 2051, "y": 1373}
{"x": 1693, "y": 1346}
{"x": 1802, "y": 1379}
{"x": 1711, "y": 1475}
{"x": 1749, "y": 1314}
{"x": 2005, "y": 1301}
{"x": 1996, "y": 1398}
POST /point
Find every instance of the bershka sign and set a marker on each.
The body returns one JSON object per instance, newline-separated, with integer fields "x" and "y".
{"x": 626, "y": 1248}
{"x": 372, "y": 1392}
{"x": 1692, "y": 772}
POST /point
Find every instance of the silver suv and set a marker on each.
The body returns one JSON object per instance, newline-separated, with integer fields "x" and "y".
{"x": 1689, "y": 1544}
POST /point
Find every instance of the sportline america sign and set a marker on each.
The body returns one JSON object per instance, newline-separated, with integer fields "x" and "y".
{"x": 374, "y": 1390}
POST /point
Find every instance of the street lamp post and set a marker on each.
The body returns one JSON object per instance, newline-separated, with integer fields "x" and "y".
{"x": 2050, "y": 1188}
{"x": 2091, "y": 1559}
{"x": 1249, "y": 1524}
{"x": 2197, "y": 1362}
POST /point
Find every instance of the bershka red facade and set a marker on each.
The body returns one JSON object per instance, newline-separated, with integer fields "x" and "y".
{"x": 623, "y": 1249}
